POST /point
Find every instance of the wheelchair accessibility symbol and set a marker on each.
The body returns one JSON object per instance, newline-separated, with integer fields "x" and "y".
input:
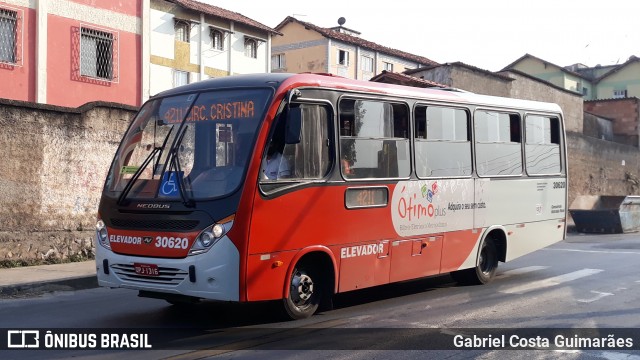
{"x": 169, "y": 184}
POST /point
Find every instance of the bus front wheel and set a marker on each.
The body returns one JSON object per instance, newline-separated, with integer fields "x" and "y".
{"x": 485, "y": 269}
{"x": 305, "y": 292}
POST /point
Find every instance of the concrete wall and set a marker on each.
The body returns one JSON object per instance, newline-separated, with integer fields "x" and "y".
{"x": 53, "y": 168}
{"x": 624, "y": 113}
{"x": 598, "y": 127}
{"x": 478, "y": 82}
{"x": 467, "y": 78}
{"x": 529, "y": 88}
{"x": 599, "y": 167}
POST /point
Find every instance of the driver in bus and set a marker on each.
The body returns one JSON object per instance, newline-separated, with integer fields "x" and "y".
{"x": 275, "y": 166}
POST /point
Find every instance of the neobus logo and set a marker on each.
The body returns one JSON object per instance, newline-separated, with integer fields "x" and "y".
{"x": 153, "y": 206}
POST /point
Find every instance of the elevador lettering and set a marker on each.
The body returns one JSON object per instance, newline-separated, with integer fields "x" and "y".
{"x": 135, "y": 240}
{"x": 361, "y": 250}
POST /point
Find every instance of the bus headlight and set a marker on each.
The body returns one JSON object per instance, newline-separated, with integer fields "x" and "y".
{"x": 102, "y": 235}
{"x": 209, "y": 236}
{"x": 218, "y": 230}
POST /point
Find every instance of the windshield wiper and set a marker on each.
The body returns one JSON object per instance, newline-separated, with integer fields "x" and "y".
{"x": 175, "y": 164}
{"x": 145, "y": 163}
{"x": 137, "y": 174}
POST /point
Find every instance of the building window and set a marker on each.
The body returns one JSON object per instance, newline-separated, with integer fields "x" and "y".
{"x": 367, "y": 64}
{"x": 343, "y": 57}
{"x": 180, "y": 78}
{"x": 8, "y": 35}
{"x": 585, "y": 91}
{"x": 217, "y": 39}
{"x": 250, "y": 48}
{"x": 96, "y": 53}
{"x": 388, "y": 66}
{"x": 278, "y": 62}
{"x": 182, "y": 29}
{"x": 619, "y": 93}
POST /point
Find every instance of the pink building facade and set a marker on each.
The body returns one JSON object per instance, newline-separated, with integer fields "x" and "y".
{"x": 70, "y": 52}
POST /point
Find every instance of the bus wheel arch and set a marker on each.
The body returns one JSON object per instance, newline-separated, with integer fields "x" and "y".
{"x": 310, "y": 283}
{"x": 491, "y": 250}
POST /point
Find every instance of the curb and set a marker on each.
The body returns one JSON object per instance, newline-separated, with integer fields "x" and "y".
{"x": 42, "y": 287}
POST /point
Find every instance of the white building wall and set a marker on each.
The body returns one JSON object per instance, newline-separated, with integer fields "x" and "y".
{"x": 231, "y": 60}
{"x": 160, "y": 79}
{"x": 243, "y": 64}
{"x": 162, "y": 34}
{"x": 215, "y": 58}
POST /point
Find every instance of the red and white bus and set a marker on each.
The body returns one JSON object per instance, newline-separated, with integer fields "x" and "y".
{"x": 301, "y": 186}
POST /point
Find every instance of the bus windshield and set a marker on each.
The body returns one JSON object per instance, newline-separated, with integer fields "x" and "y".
{"x": 190, "y": 146}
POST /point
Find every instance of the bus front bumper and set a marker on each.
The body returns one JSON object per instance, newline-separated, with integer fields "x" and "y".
{"x": 212, "y": 275}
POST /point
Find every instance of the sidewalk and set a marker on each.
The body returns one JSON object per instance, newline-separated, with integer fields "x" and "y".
{"x": 47, "y": 278}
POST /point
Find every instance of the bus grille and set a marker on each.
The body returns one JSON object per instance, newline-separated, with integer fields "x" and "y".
{"x": 155, "y": 224}
{"x": 168, "y": 276}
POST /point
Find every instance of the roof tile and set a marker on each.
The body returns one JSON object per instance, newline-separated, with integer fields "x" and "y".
{"x": 223, "y": 13}
{"x": 354, "y": 40}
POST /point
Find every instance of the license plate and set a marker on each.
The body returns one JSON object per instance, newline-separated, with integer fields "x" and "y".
{"x": 146, "y": 269}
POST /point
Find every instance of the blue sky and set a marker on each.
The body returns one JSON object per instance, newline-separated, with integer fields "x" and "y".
{"x": 488, "y": 34}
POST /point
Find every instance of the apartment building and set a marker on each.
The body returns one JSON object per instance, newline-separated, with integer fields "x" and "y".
{"x": 192, "y": 41}
{"x": 305, "y": 47}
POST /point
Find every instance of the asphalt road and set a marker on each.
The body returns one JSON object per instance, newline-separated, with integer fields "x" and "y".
{"x": 585, "y": 282}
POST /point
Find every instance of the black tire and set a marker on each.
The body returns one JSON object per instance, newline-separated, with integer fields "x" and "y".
{"x": 485, "y": 269}
{"x": 305, "y": 292}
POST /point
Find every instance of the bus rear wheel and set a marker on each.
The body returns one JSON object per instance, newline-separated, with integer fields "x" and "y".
{"x": 485, "y": 269}
{"x": 305, "y": 292}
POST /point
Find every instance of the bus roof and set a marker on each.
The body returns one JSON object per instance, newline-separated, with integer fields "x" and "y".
{"x": 289, "y": 80}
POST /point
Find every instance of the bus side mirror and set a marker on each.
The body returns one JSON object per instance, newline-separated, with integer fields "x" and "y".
{"x": 293, "y": 129}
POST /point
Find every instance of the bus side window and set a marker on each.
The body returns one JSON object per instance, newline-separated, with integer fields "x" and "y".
{"x": 498, "y": 143}
{"x": 307, "y": 160}
{"x": 374, "y": 139}
{"x": 442, "y": 130}
{"x": 542, "y": 145}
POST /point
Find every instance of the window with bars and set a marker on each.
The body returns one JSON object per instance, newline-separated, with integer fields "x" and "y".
{"x": 96, "y": 53}
{"x": 217, "y": 39}
{"x": 8, "y": 35}
{"x": 251, "y": 48}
